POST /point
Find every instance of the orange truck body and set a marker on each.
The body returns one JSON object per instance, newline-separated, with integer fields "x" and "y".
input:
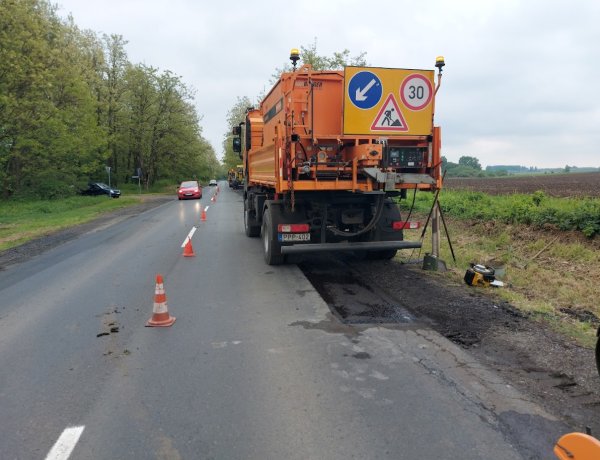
{"x": 326, "y": 149}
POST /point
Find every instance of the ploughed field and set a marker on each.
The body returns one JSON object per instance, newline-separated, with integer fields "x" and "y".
{"x": 559, "y": 185}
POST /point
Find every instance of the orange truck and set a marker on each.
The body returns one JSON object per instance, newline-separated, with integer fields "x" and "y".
{"x": 328, "y": 154}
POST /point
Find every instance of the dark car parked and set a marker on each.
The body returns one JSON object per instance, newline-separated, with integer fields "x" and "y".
{"x": 99, "y": 188}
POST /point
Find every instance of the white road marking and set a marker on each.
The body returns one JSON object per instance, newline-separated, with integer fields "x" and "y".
{"x": 62, "y": 448}
{"x": 189, "y": 237}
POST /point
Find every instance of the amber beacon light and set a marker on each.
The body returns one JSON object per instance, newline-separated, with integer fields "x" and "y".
{"x": 294, "y": 56}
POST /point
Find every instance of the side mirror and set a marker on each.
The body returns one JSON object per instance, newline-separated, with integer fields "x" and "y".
{"x": 237, "y": 130}
{"x": 237, "y": 144}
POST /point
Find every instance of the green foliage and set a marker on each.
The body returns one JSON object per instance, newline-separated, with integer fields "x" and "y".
{"x": 23, "y": 219}
{"x": 454, "y": 170}
{"x": 235, "y": 116}
{"x": 71, "y": 103}
{"x": 310, "y": 55}
{"x": 537, "y": 209}
{"x": 470, "y": 162}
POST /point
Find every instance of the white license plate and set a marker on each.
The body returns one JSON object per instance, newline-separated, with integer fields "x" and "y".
{"x": 294, "y": 237}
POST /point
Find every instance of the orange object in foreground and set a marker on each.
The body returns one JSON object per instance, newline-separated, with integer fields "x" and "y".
{"x": 160, "y": 311}
{"x": 577, "y": 446}
{"x": 188, "y": 250}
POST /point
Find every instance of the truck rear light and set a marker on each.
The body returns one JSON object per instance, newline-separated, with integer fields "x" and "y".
{"x": 293, "y": 228}
{"x": 402, "y": 225}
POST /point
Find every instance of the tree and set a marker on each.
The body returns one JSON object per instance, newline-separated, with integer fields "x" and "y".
{"x": 471, "y": 162}
{"x": 47, "y": 111}
{"x": 309, "y": 55}
{"x": 71, "y": 103}
{"x": 235, "y": 116}
{"x": 110, "y": 99}
{"x": 447, "y": 165}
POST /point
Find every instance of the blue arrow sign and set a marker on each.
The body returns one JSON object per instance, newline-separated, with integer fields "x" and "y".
{"x": 365, "y": 89}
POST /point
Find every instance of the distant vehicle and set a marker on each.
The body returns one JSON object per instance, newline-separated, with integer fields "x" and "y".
{"x": 213, "y": 182}
{"x": 190, "y": 189}
{"x": 99, "y": 188}
{"x": 235, "y": 177}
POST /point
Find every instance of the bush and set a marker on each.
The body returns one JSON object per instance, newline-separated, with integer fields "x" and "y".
{"x": 536, "y": 209}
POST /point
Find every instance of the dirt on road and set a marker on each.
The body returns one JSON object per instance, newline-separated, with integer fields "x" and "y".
{"x": 554, "y": 370}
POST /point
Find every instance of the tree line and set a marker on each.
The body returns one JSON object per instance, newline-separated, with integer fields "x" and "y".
{"x": 72, "y": 105}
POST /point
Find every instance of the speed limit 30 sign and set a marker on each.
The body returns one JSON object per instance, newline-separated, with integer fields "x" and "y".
{"x": 416, "y": 92}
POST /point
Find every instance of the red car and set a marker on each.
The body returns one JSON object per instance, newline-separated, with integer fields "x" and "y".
{"x": 189, "y": 189}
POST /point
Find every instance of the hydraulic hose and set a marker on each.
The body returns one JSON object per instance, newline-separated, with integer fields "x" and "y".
{"x": 376, "y": 216}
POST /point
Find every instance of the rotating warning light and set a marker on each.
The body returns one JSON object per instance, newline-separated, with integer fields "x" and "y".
{"x": 294, "y": 56}
{"x": 439, "y": 62}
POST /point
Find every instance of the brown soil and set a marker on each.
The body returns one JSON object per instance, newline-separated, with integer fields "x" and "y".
{"x": 556, "y": 371}
{"x": 560, "y": 185}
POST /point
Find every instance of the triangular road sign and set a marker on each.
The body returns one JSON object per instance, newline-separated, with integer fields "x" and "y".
{"x": 390, "y": 117}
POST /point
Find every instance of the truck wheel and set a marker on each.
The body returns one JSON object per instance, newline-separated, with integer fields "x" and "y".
{"x": 272, "y": 247}
{"x": 251, "y": 227}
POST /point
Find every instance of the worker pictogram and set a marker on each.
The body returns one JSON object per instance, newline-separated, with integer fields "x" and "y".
{"x": 390, "y": 117}
{"x": 416, "y": 92}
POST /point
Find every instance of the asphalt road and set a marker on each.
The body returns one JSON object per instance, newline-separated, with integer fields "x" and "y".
{"x": 255, "y": 367}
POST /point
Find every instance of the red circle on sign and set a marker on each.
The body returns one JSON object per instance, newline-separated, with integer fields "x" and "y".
{"x": 416, "y": 96}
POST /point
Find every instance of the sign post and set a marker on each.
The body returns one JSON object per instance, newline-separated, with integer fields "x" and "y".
{"x": 108, "y": 171}
{"x": 138, "y": 176}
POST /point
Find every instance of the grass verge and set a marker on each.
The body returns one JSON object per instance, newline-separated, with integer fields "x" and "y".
{"x": 548, "y": 273}
{"x": 21, "y": 221}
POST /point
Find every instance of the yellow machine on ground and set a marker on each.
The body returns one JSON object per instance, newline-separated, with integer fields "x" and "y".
{"x": 235, "y": 177}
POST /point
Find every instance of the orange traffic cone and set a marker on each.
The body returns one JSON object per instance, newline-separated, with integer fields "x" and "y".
{"x": 160, "y": 311}
{"x": 212, "y": 198}
{"x": 188, "y": 250}
{"x": 203, "y": 215}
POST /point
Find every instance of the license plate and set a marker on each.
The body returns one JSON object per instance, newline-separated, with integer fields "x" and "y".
{"x": 294, "y": 237}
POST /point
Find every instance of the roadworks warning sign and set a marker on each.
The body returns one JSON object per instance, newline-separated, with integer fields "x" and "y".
{"x": 390, "y": 117}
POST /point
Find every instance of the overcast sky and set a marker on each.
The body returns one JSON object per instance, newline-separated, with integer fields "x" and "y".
{"x": 520, "y": 84}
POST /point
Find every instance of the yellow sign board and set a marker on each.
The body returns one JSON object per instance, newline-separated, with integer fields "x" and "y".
{"x": 388, "y": 102}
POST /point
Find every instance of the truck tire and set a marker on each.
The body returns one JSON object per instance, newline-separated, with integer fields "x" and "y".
{"x": 383, "y": 231}
{"x": 251, "y": 226}
{"x": 272, "y": 247}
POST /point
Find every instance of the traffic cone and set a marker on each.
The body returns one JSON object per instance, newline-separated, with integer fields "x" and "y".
{"x": 188, "y": 250}
{"x": 203, "y": 215}
{"x": 160, "y": 311}
{"x": 212, "y": 198}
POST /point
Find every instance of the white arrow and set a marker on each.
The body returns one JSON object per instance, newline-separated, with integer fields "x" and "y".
{"x": 360, "y": 94}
